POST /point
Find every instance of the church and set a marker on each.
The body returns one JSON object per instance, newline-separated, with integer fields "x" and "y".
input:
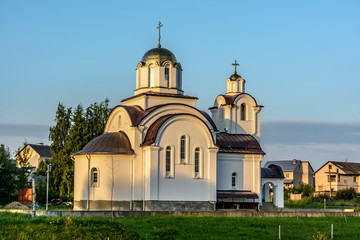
{"x": 159, "y": 152}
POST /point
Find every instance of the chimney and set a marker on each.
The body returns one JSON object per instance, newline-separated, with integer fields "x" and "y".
{"x": 294, "y": 161}
{"x": 40, "y": 144}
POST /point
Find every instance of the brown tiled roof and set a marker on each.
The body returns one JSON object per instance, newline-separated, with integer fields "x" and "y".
{"x": 230, "y": 99}
{"x": 238, "y": 143}
{"x": 154, "y": 128}
{"x": 142, "y": 115}
{"x": 108, "y": 143}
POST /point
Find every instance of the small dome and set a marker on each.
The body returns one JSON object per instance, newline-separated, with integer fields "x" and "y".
{"x": 160, "y": 55}
{"x": 108, "y": 143}
{"x": 234, "y": 77}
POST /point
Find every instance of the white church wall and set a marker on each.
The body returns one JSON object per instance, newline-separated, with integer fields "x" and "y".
{"x": 184, "y": 186}
{"x": 246, "y": 166}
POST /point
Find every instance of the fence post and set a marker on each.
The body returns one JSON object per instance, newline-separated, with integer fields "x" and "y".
{"x": 332, "y": 231}
{"x": 279, "y": 232}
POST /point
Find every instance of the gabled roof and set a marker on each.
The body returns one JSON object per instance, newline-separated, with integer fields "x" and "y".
{"x": 42, "y": 150}
{"x": 350, "y": 168}
{"x": 238, "y": 143}
{"x": 286, "y": 165}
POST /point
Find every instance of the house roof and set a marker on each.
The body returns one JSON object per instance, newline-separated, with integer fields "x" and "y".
{"x": 108, "y": 143}
{"x": 348, "y": 167}
{"x": 238, "y": 143}
{"x": 42, "y": 150}
{"x": 286, "y": 165}
{"x": 273, "y": 171}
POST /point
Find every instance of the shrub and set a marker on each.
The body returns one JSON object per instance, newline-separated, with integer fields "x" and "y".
{"x": 346, "y": 194}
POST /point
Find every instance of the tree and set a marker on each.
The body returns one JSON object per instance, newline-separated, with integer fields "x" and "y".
{"x": 11, "y": 177}
{"x": 306, "y": 190}
{"x": 60, "y": 160}
{"x": 72, "y": 131}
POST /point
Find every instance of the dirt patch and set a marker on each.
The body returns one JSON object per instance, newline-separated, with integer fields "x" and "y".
{"x": 16, "y": 205}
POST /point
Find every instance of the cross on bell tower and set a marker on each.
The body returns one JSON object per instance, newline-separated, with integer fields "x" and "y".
{"x": 160, "y": 25}
{"x": 235, "y": 64}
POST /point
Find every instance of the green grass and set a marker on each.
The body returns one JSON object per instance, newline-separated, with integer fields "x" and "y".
{"x": 20, "y": 226}
{"x": 332, "y": 204}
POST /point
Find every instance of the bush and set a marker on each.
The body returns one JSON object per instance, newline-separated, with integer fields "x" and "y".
{"x": 346, "y": 194}
{"x": 306, "y": 190}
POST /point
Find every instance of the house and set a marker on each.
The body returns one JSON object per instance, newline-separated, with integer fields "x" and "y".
{"x": 33, "y": 154}
{"x": 334, "y": 176}
{"x": 296, "y": 172}
{"x": 159, "y": 152}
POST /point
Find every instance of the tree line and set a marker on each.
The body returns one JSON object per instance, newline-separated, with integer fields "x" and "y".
{"x": 72, "y": 130}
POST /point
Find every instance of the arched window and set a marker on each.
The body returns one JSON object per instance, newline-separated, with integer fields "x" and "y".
{"x": 234, "y": 180}
{"x": 243, "y": 111}
{"x": 167, "y": 76}
{"x": 168, "y": 161}
{"x": 151, "y": 75}
{"x": 182, "y": 149}
{"x": 94, "y": 177}
{"x": 197, "y": 162}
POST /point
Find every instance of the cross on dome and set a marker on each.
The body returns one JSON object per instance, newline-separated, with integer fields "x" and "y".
{"x": 160, "y": 25}
{"x": 235, "y": 64}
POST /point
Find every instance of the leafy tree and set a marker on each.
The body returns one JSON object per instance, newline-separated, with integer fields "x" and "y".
{"x": 306, "y": 190}
{"x": 11, "y": 177}
{"x": 346, "y": 194}
{"x": 72, "y": 131}
{"x": 60, "y": 160}
{"x": 96, "y": 116}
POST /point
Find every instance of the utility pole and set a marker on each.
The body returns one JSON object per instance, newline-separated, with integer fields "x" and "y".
{"x": 330, "y": 179}
{"x": 33, "y": 195}
{"x": 47, "y": 186}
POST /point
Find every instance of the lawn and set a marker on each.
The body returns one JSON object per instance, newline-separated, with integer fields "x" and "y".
{"x": 20, "y": 226}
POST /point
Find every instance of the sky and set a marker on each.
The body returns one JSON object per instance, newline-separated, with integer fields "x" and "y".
{"x": 300, "y": 59}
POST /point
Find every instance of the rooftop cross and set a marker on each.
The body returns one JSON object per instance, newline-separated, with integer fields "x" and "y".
{"x": 235, "y": 64}
{"x": 160, "y": 25}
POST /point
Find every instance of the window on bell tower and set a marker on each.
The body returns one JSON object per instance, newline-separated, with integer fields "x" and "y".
{"x": 243, "y": 111}
{"x": 167, "y": 76}
{"x": 151, "y": 75}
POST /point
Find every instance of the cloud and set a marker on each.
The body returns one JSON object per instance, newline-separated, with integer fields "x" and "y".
{"x": 24, "y": 130}
{"x": 309, "y": 132}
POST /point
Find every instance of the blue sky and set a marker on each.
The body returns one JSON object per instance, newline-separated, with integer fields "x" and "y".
{"x": 300, "y": 60}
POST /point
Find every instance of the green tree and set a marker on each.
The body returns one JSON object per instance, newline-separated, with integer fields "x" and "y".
{"x": 72, "y": 131}
{"x": 346, "y": 194}
{"x": 96, "y": 116}
{"x": 306, "y": 190}
{"x": 61, "y": 160}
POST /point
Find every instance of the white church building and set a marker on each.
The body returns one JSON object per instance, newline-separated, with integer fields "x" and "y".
{"x": 159, "y": 152}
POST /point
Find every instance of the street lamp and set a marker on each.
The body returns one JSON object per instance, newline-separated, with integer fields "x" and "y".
{"x": 47, "y": 186}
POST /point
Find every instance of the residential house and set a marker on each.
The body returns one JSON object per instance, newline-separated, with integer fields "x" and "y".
{"x": 334, "y": 176}
{"x": 296, "y": 172}
{"x": 34, "y": 154}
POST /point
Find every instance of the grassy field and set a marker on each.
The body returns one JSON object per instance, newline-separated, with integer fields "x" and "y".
{"x": 20, "y": 226}
{"x": 334, "y": 204}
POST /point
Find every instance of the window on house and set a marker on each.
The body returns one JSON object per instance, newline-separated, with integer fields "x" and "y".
{"x": 166, "y": 76}
{"x": 243, "y": 111}
{"x": 287, "y": 175}
{"x": 330, "y": 166}
{"x": 168, "y": 162}
{"x": 182, "y": 149}
{"x": 197, "y": 157}
{"x": 94, "y": 177}
{"x": 354, "y": 179}
{"x": 337, "y": 170}
{"x": 151, "y": 75}
{"x": 331, "y": 178}
{"x": 339, "y": 179}
{"x": 233, "y": 180}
